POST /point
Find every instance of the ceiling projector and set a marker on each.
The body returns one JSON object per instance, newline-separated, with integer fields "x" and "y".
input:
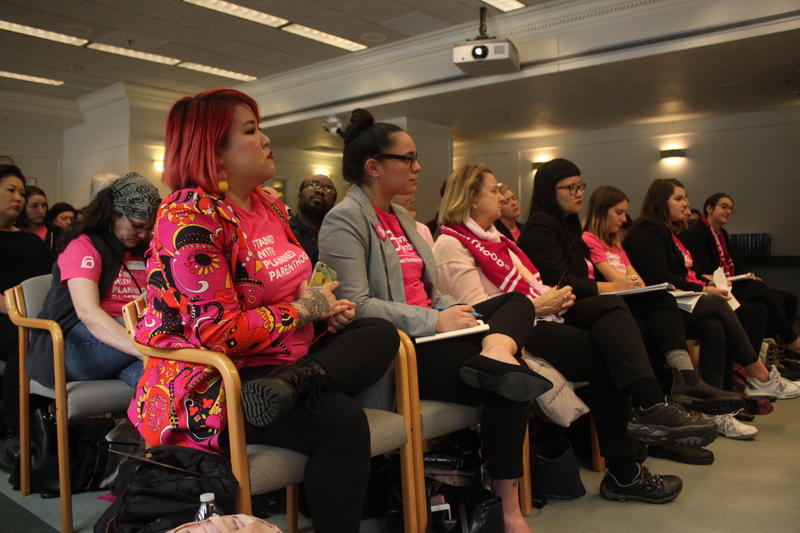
{"x": 486, "y": 56}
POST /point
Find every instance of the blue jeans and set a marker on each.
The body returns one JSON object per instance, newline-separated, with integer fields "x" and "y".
{"x": 87, "y": 358}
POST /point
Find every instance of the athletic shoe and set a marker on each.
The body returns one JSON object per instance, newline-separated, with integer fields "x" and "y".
{"x": 689, "y": 390}
{"x": 645, "y": 487}
{"x": 775, "y": 387}
{"x": 668, "y": 422}
{"x": 518, "y": 383}
{"x": 728, "y": 426}
{"x": 690, "y": 455}
{"x": 268, "y": 399}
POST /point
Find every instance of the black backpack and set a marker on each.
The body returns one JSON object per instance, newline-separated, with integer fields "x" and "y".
{"x": 152, "y": 497}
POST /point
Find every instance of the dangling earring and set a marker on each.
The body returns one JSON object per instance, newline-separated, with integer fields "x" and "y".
{"x": 222, "y": 182}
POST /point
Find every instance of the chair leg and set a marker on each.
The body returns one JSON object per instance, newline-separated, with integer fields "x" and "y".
{"x": 598, "y": 461}
{"x": 64, "y": 477}
{"x": 525, "y": 497}
{"x": 291, "y": 509}
{"x": 409, "y": 486}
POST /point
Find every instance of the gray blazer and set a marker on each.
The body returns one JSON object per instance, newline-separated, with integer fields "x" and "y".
{"x": 368, "y": 267}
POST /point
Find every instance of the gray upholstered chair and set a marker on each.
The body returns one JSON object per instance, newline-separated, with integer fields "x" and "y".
{"x": 77, "y": 399}
{"x": 260, "y": 468}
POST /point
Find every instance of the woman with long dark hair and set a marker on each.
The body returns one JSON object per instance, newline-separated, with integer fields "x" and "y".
{"x": 226, "y": 273}
{"x": 658, "y": 254}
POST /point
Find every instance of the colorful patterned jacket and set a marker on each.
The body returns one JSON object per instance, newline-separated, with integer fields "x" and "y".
{"x": 201, "y": 293}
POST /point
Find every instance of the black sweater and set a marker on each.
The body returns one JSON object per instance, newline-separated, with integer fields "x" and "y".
{"x": 654, "y": 255}
{"x": 554, "y": 252}
{"x": 700, "y": 243}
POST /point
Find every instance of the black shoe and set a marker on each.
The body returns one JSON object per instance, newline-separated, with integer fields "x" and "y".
{"x": 690, "y": 391}
{"x": 668, "y": 422}
{"x": 9, "y": 450}
{"x": 645, "y": 487}
{"x": 518, "y": 383}
{"x": 270, "y": 398}
{"x": 690, "y": 455}
{"x": 744, "y": 417}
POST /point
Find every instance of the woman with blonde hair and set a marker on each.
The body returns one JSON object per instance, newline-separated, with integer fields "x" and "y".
{"x": 509, "y": 212}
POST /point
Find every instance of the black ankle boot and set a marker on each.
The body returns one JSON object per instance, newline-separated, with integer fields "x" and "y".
{"x": 518, "y": 383}
{"x": 689, "y": 390}
{"x": 268, "y": 399}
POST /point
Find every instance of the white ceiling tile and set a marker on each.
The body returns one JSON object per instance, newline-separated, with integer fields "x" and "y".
{"x": 415, "y": 23}
{"x": 375, "y": 10}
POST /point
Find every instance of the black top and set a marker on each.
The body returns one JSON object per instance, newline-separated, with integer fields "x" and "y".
{"x": 307, "y": 238}
{"x": 555, "y": 251}
{"x": 655, "y": 256}
{"x": 503, "y": 229}
{"x": 700, "y": 243}
{"x": 23, "y": 255}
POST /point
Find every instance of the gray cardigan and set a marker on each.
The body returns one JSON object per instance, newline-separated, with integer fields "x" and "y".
{"x": 368, "y": 267}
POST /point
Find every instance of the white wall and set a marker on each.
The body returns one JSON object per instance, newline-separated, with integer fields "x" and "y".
{"x": 36, "y": 148}
{"x": 754, "y": 157}
{"x": 296, "y": 165}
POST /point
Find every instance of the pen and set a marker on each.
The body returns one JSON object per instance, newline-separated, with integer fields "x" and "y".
{"x": 476, "y": 315}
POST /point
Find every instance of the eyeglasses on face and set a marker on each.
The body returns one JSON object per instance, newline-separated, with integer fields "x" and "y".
{"x": 574, "y": 189}
{"x": 726, "y": 207}
{"x": 317, "y": 186}
{"x": 138, "y": 226}
{"x": 411, "y": 159}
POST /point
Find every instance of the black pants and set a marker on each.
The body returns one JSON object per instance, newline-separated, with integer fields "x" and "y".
{"x": 659, "y": 320}
{"x": 723, "y": 339}
{"x": 336, "y": 439}
{"x": 778, "y": 307}
{"x": 598, "y": 343}
{"x": 503, "y": 421}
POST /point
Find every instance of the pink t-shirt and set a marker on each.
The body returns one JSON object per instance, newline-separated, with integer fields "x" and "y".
{"x": 80, "y": 259}
{"x": 515, "y": 233}
{"x": 284, "y": 265}
{"x": 691, "y": 276}
{"x": 410, "y": 262}
{"x": 601, "y": 253}
{"x": 41, "y": 232}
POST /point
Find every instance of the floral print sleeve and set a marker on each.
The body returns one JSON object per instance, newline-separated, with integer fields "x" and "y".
{"x": 201, "y": 290}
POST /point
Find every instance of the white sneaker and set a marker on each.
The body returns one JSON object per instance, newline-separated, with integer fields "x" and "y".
{"x": 776, "y": 386}
{"x": 730, "y": 427}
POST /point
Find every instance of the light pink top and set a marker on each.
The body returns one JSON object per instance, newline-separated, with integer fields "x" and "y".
{"x": 410, "y": 262}
{"x": 602, "y": 253}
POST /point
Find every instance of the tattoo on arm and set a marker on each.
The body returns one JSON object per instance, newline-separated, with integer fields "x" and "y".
{"x": 311, "y": 307}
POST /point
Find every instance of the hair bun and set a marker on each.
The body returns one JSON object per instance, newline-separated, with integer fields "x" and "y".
{"x": 360, "y": 120}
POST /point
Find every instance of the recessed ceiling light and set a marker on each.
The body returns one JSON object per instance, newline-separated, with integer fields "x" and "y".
{"x": 155, "y": 58}
{"x": 321, "y": 36}
{"x": 218, "y": 71}
{"x": 504, "y": 5}
{"x": 33, "y": 79}
{"x": 41, "y": 34}
{"x": 240, "y": 11}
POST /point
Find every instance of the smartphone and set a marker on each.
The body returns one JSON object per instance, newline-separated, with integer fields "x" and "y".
{"x": 322, "y": 274}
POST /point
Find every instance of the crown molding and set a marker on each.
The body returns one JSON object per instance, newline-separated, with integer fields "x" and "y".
{"x": 22, "y": 105}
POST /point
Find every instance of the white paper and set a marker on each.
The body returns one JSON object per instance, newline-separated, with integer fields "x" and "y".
{"x": 641, "y": 290}
{"x": 455, "y": 333}
{"x": 721, "y": 282}
{"x": 748, "y": 275}
{"x": 686, "y": 300}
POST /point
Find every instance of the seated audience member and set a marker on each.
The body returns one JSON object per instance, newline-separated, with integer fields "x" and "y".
{"x": 551, "y": 239}
{"x": 24, "y": 256}
{"x": 658, "y": 254}
{"x": 594, "y": 339}
{"x": 225, "y": 273}
{"x": 694, "y": 217}
{"x": 33, "y": 216}
{"x": 407, "y": 201}
{"x": 709, "y": 245}
{"x": 388, "y": 270}
{"x": 314, "y": 199}
{"x": 100, "y": 270}
{"x": 507, "y": 223}
{"x": 433, "y": 224}
{"x": 60, "y": 215}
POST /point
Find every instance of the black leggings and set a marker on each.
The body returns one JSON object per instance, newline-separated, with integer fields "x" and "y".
{"x": 776, "y": 306}
{"x": 336, "y": 439}
{"x": 503, "y": 421}
{"x": 722, "y": 337}
{"x": 598, "y": 343}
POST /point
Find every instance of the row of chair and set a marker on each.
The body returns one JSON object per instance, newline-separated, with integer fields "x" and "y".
{"x": 397, "y": 417}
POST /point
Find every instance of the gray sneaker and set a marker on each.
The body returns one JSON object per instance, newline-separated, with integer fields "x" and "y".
{"x": 667, "y": 422}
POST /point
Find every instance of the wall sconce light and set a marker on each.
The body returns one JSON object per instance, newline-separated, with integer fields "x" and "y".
{"x": 674, "y": 152}
{"x": 536, "y": 164}
{"x": 159, "y": 164}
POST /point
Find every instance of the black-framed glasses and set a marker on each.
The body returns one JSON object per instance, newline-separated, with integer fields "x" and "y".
{"x": 574, "y": 189}
{"x": 410, "y": 159}
{"x": 138, "y": 226}
{"x": 727, "y": 207}
{"x": 317, "y": 186}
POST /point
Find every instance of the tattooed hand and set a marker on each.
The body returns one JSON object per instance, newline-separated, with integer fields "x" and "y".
{"x": 318, "y": 303}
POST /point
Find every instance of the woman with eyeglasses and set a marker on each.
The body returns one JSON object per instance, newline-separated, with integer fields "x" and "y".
{"x": 710, "y": 248}
{"x": 388, "y": 270}
{"x": 655, "y": 250}
{"x": 100, "y": 270}
{"x": 509, "y": 206}
{"x": 552, "y": 240}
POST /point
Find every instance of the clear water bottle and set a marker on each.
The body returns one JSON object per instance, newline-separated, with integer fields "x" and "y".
{"x": 207, "y": 507}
